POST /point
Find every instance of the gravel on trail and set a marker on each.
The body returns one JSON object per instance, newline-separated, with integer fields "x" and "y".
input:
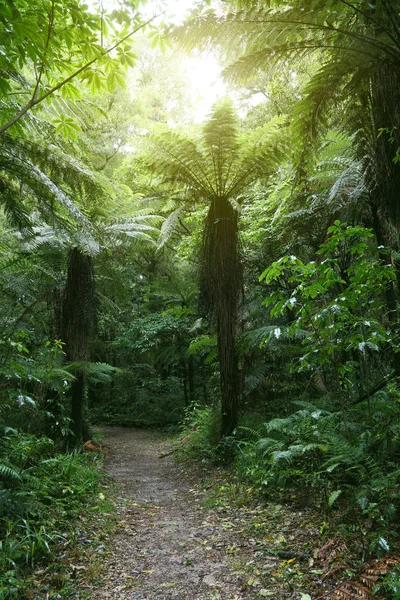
{"x": 167, "y": 545}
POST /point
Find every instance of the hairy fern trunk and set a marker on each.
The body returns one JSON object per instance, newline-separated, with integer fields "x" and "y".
{"x": 383, "y": 178}
{"x": 78, "y": 320}
{"x": 220, "y": 285}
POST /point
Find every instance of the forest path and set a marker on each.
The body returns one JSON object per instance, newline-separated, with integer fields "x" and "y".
{"x": 167, "y": 545}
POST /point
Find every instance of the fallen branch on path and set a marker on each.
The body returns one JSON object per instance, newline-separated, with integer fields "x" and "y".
{"x": 168, "y": 453}
{"x": 290, "y": 554}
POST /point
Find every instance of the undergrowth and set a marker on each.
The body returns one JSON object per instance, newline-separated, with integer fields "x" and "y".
{"x": 200, "y": 433}
{"x": 307, "y": 458}
{"x": 48, "y": 504}
{"x": 306, "y": 464}
{"x": 129, "y": 405}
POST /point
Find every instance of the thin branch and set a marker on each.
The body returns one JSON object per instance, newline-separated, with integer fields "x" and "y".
{"x": 102, "y": 24}
{"x": 375, "y": 388}
{"x": 109, "y": 157}
{"x": 38, "y": 100}
{"x": 335, "y": 588}
{"x": 36, "y": 91}
{"x": 184, "y": 226}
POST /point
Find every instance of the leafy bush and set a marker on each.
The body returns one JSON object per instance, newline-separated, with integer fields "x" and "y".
{"x": 338, "y": 305}
{"x": 309, "y": 454}
{"x": 33, "y": 385}
{"x": 390, "y": 586}
{"x": 201, "y": 432}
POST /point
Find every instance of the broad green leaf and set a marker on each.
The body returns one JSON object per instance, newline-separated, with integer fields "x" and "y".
{"x": 333, "y": 497}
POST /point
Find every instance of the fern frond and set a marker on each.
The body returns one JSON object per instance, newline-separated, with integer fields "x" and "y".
{"x": 95, "y": 372}
{"x": 268, "y": 444}
{"x": 255, "y": 378}
{"x": 354, "y": 45}
{"x": 170, "y": 227}
{"x": 202, "y": 344}
{"x": 9, "y": 472}
{"x": 279, "y": 424}
{"x": 287, "y": 456}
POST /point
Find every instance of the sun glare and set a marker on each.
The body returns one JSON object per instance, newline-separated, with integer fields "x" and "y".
{"x": 203, "y": 74}
{"x": 175, "y": 11}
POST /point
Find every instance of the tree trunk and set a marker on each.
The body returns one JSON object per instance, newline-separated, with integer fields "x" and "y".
{"x": 191, "y": 378}
{"x": 77, "y": 402}
{"x": 383, "y": 180}
{"x": 220, "y": 286}
{"x": 185, "y": 382}
{"x": 228, "y": 365}
{"x": 78, "y": 320}
{"x": 390, "y": 291}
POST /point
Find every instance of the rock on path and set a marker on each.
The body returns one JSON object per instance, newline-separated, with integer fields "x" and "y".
{"x": 167, "y": 545}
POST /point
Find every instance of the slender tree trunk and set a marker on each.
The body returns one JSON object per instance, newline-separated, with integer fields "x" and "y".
{"x": 185, "y": 382}
{"x": 191, "y": 378}
{"x": 205, "y": 395}
{"x": 77, "y": 402}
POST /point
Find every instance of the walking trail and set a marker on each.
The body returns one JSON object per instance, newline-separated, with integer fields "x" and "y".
{"x": 168, "y": 546}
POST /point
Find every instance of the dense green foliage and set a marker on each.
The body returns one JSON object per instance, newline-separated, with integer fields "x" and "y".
{"x": 41, "y": 501}
{"x": 238, "y": 279}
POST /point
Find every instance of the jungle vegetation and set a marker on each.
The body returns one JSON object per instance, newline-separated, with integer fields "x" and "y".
{"x": 237, "y": 277}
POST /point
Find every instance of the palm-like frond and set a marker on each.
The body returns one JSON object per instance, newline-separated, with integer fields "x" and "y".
{"x": 57, "y": 240}
{"x": 23, "y": 180}
{"x": 137, "y": 229}
{"x": 222, "y": 164}
{"x": 95, "y": 372}
{"x": 169, "y": 227}
{"x": 357, "y": 44}
{"x": 255, "y": 378}
{"x": 264, "y": 32}
{"x": 10, "y": 472}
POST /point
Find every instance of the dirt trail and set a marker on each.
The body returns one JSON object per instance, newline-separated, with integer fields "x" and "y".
{"x": 167, "y": 545}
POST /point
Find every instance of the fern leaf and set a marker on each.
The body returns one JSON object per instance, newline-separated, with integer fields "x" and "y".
{"x": 333, "y": 497}
{"x": 8, "y": 472}
{"x": 169, "y": 227}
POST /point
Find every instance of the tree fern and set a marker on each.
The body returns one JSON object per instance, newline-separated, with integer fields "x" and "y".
{"x": 23, "y": 174}
{"x": 205, "y": 346}
{"x": 95, "y": 372}
{"x": 215, "y": 170}
{"x": 254, "y": 378}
